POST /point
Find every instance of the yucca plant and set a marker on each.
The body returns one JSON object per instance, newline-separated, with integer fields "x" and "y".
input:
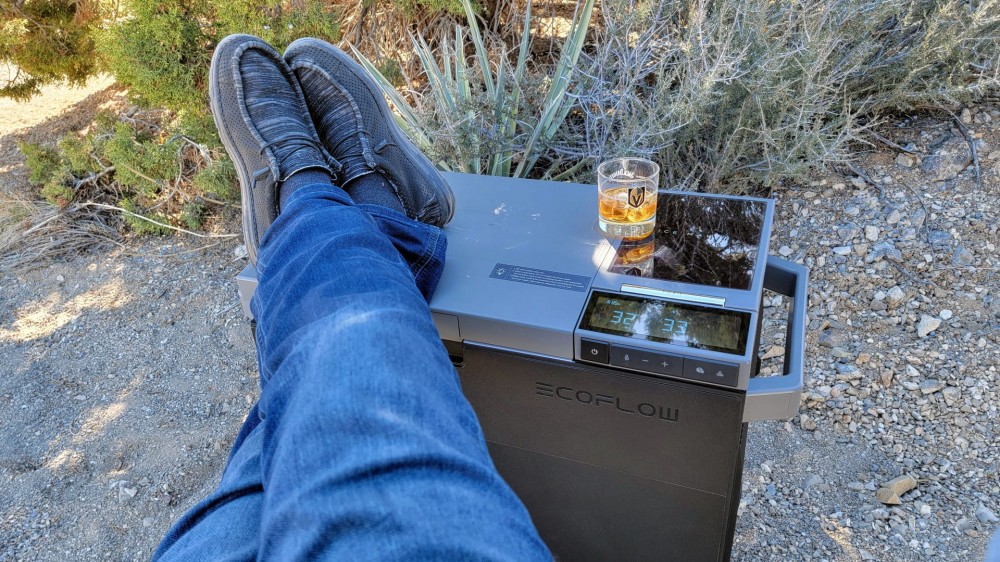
{"x": 483, "y": 109}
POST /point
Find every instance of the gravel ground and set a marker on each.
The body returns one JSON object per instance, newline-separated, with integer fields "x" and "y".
{"x": 125, "y": 375}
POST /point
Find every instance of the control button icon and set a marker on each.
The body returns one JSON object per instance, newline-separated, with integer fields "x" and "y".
{"x": 710, "y": 371}
{"x": 596, "y": 351}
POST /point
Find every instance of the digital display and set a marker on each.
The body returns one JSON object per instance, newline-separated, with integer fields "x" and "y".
{"x": 678, "y": 324}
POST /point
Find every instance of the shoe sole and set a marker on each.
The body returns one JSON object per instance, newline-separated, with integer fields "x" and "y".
{"x": 440, "y": 188}
{"x": 250, "y": 237}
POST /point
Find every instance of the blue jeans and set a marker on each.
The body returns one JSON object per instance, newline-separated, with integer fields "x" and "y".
{"x": 362, "y": 445}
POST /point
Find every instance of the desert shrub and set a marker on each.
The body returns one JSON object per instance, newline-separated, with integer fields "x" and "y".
{"x": 46, "y": 41}
{"x": 278, "y": 23}
{"x": 725, "y": 95}
{"x": 722, "y": 93}
{"x": 480, "y": 117}
{"x": 218, "y": 180}
{"x": 162, "y": 49}
{"x": 42, "y": 161}
{"x": 173, "y": 179}
{"x": 136, "y": 219}
{"x": 141, "y": 162}
{"x": 412, "y": 8}
{"x": 160, "y": 52}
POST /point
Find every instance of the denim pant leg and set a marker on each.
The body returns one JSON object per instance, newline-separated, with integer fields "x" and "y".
{"x": 368, "y": 449}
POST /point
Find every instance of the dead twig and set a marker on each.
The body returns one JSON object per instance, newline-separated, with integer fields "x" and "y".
{"x": 972, "y": 146}
{"x": 92, "y": 178}
{"x": 107, "y": 207}
{"x": 867, "y": 179}
{"x": 892, "y": 144}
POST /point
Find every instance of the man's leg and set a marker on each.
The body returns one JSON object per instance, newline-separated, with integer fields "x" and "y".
{"x": 370, "y": 450}
{"x": 362, "y": 441}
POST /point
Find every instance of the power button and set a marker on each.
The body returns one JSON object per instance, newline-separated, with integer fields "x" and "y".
{"x": 596, "y": 351}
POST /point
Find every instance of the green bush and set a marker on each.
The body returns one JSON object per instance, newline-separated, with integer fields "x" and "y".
{"x": 47, "y": 41}
{"x": 43, "y": 162}
{"x": 411, "y": 8}
{"x": 219, "y": 180}
{"x": 141, "y": 163}
{"x": 161, "y": 53}
{"x": 137, "y": 223}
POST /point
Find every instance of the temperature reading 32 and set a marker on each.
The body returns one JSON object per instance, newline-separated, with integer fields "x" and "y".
{"x": 622, "y": 317}
{"x": 676, "y": 327}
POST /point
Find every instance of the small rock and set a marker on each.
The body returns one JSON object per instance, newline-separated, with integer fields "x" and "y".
{"x": 775, "y": 351}
{"x": 841, "y": 353}
{"x": 930, "y": 386}
{"x": 832, "y": 338}
{"x": 841, "y": 250}
{"x": 895, "y": 295}
{"x": 886, "y": 378}
{"x": 785, "y": 251}
{"x": 926, "y": 325}
{"x": 901, "y": 484}
{"x": 963, "y": 525}
{"x": 906, "y": 160}
{"x": 887, "y": 496}
{"x": 894, "y": 217}
{"x": 966, "y": 116}
{"x": 925, "y": 510}
{"x": 985, "y": 515}
{"x": 938, "y": 237}
{"x": 240, "y": 252}
{"x": 949, "y": 161}
{"x": 852, "y": 210}
{"x": 812, "y": 481}
{"x": 945, "y": 314}
{"x": 951, "y": 395}
{"x": 884, "y": 250}
{"x": 871, "y": 233}
{"x": 60, "y": 278}
{"x": 807, "y": 423}
{"x": 962, "y": 256}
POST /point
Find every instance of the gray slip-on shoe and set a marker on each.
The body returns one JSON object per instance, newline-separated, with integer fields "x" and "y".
{"x": 265, "y": 126}
{"x": 358, "y": 129}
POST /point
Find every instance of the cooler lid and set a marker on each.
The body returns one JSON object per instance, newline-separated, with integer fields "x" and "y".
{"x": 520, "y": 261}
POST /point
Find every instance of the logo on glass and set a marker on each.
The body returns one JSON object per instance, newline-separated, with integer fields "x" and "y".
{"x": 636, "y": 195}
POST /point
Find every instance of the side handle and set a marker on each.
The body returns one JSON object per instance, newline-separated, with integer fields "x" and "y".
{"x": 777, "y": 398}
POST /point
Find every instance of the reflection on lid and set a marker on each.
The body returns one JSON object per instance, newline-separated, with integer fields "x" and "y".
{"x": 701, "y": 240}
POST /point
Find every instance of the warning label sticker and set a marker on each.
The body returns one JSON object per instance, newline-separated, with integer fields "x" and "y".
{"x": 543, "y": 277}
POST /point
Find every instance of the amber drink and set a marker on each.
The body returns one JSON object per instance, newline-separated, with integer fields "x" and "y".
{"x": 626, "y": 197}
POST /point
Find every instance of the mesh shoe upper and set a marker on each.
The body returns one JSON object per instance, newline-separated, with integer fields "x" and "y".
{"x": 358, "y": 129}
{"x": 264, "y": 124}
